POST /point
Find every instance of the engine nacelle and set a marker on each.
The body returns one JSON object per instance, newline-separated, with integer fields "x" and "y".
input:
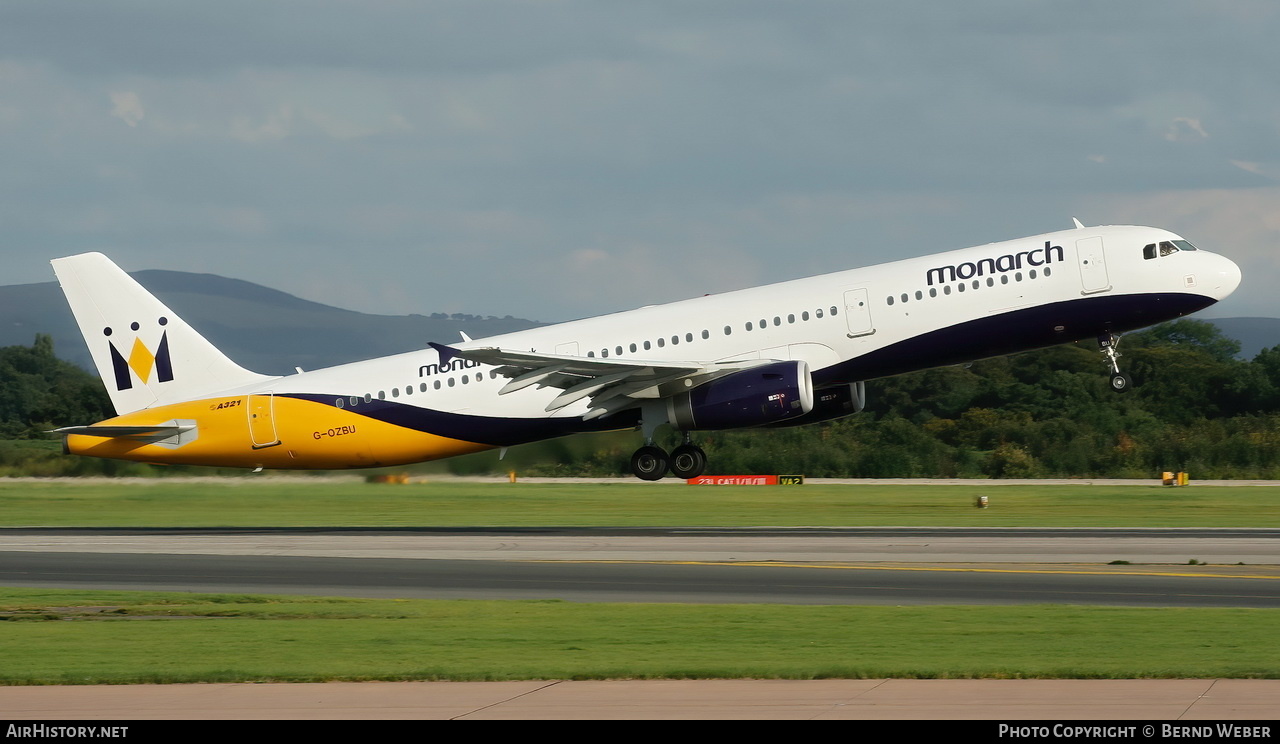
{"x": 758, "y": 396}
{"x": 831, "y": 403}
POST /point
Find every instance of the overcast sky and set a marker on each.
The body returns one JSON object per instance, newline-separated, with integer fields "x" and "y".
{"x": 553, "y": 160}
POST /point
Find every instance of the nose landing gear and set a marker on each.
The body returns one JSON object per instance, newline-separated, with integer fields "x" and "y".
{"x": 1120, "y": 382}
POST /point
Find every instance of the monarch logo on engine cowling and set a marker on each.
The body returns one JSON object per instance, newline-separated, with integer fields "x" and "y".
{"x": 999, "y": 265}
{"x": 141, "y": 361}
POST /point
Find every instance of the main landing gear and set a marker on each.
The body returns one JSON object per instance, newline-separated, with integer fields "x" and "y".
{"x": 1120, "y": 382}
{"x": 651, "y": 462}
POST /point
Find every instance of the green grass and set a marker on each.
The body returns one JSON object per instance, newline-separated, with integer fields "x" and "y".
{"x": 255, "y": 502}
{"x": 156, "y": 637}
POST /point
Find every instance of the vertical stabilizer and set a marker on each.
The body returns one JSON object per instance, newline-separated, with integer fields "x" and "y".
{"x": 145, "y": 353}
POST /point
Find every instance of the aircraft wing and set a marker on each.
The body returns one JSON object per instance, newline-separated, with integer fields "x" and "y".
{"x": 610, "y": 385}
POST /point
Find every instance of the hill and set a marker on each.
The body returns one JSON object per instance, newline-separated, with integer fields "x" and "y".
{"x": 262, "y": 329}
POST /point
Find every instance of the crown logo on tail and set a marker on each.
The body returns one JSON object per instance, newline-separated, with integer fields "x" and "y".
{"x": 141, "y": 360}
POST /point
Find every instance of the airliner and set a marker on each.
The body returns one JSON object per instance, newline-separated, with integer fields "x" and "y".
{"x": 785, "y": 354}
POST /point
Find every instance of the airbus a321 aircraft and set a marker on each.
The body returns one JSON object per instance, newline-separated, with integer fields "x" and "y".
{"x": 784, "y": 354}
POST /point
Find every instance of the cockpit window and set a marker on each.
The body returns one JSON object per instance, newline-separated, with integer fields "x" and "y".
{"x": 1165, "y": 248}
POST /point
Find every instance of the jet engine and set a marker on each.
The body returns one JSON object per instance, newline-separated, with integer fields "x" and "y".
{"x": 759, "y": 396}
{"x": 831, "y": 403}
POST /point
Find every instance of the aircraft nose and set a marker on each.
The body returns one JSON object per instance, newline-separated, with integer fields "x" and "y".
{"x": 1226, "y": 277}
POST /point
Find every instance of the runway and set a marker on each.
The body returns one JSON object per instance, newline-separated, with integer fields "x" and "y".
{"x": 799, "y": 566}
{"x": 796, "y": 566}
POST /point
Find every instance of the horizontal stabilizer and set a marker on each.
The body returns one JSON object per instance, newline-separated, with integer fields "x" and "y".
{"x": 171, "y": 434}
{"x": 130, "y": 432}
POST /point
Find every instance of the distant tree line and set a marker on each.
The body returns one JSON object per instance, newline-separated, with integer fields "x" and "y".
{"x": 1195, "y": 407}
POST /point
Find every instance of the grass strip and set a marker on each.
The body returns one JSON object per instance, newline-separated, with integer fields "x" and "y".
{"x": 258, "y": 502}
{"x": 111, "y": 637}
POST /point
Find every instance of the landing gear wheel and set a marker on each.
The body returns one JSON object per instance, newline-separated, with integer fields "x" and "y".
{"x": 650, "y": 463}
{"x": 1120, "y": 382}
{"x": 688, "y": 461}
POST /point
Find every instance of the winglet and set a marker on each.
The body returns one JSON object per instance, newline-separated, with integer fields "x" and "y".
{"x": 447, "y": 353}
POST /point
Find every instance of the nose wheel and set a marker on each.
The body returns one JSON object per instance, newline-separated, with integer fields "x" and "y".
{"x": 1120, "y": 382}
